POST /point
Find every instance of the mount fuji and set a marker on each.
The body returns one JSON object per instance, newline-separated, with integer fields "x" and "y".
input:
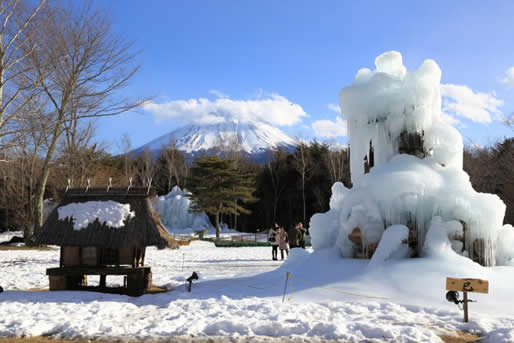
{"x": 256, "y": 139}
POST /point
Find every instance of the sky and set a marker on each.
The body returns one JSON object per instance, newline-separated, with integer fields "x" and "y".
{"x": 286, "y": 61}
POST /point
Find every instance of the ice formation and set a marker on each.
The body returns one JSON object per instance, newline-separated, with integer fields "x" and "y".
{"x": 111, "y": 213}
{"x": 505, "y": 247}
{"x": 174, "y": 211}
{"x": 406, "y": 168}
{"x": 393, "y": 245}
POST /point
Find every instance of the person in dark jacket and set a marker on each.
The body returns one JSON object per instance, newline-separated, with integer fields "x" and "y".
{"x": 303, "y": 232}
{"x": 294, "y": 236}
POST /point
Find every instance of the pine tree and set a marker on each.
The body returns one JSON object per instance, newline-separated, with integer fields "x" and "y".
{"x": 215, "y": 184}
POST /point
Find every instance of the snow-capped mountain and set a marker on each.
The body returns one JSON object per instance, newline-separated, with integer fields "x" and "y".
{"x": 250, "y": 137}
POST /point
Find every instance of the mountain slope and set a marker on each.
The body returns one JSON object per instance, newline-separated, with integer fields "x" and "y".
{"x": 250, "y": 137}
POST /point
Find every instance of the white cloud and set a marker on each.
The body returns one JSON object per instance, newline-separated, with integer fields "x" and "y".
{"x": 448, "y": 119}
{"x": 330, "y": 129}
{"x": 462, "y": 101}
{"x": 274, "y": 109}
{"x": 334, "y": 108}
{"x": 219, "y": 94}
{"x": 508, "y": 78}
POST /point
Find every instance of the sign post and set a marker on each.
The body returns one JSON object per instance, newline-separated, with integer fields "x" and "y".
{"x": 454, "y": 285}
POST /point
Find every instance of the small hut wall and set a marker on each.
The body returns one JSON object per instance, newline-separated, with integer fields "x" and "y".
{"x": 70, "y": 256}
{"x": 126, "y": 255}
{"x": 89, "y": 256}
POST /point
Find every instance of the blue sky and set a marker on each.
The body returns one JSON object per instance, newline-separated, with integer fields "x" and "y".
{"x": 304, "y": 52}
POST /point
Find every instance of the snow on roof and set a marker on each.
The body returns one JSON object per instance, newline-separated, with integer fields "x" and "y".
{"x": 111, "y": 213}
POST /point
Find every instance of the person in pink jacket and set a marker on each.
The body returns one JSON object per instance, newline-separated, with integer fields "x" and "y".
{"x": 283, "y": 243}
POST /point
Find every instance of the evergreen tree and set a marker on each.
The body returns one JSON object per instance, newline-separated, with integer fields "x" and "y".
{"x": 218, "y": 187}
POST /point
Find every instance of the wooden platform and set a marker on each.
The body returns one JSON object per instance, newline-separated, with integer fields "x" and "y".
{"x": 138, "y": 280}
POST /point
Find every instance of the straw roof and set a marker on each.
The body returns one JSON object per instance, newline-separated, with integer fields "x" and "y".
{"x": 144, "y": 229}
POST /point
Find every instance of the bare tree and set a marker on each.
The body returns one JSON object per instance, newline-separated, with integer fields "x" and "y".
{"x": 303, "y": 166}
{"x": 128, "y": 159}
{"x": 21, "y": 173}
{"x": 336, "y": 160}
{"x": 16, "y": 44}
{"x": 145, "y": 167}
{"x": 79, "y": 152}
{"x": 174, "y": 165}
{"x": 277, "y": 182}
{"x": 80, "y": 66}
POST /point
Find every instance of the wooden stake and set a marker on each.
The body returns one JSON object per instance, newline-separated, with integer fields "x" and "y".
{"x": 465, "y": 306}
{"x": 285, "y": 287}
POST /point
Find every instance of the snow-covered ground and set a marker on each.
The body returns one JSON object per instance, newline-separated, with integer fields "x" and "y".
{"x": 240, "y": 294}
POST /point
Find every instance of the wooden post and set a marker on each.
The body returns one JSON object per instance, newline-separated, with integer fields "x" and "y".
{"x": 465, "y": 307}
{"x": 103, "y": 279}
{"x": 465, "y": 286}
{"x": 285, "y": 287}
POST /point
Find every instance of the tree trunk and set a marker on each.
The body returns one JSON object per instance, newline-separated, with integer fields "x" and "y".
{"x": 41, "y": 186}
{"x": 235, "y": 215}
{"x": 218, "y": 225}
{"x": 303, "y": 196}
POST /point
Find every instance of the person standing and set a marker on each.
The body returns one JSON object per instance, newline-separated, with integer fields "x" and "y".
{"x": 294, "y": 236}
{"x": 283, "y": 242}
{"x": 273, "y": 239}
{"x": 303, "y": 233}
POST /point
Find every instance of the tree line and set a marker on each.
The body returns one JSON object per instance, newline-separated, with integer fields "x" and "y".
{"x": 491, "y": 170}
{"x": 289, "y": 188}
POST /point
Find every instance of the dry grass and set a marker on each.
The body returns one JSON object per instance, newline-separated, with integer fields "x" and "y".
{"x": 462, "y": 337}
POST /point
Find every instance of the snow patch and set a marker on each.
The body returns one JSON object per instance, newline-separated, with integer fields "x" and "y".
{"x": 111, "y": 213}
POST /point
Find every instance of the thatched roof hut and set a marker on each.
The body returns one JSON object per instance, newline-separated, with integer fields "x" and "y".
{"x": 144, "y": 229}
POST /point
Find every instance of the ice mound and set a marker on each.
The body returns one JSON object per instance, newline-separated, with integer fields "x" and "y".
{"x": 174, "y": 211}
{"x": 406, "y": 166}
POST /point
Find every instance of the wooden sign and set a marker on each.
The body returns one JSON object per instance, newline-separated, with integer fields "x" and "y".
{"x": 467, "y": 285}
